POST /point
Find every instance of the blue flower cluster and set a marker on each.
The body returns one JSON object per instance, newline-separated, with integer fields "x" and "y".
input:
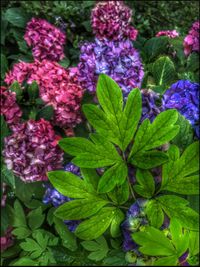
{"x": 52, "y": 196}
{"x": 184, "y": 96}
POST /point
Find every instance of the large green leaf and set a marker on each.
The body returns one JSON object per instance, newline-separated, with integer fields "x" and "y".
{"x": 161, "y": 131}
{"x": 116, "y": 222}
{"x": 120, "y": 194}
{"x": 155, "y": 46}
{"x": 163, "y": 71}
{"x": 154, "y": 213}
{"x": 115, "y": 175}
{"x": 146, "y": 185}
{"x": 96, "y": 225}
{"x": 179, "y": 173}
{"x": 17, "y": 17}
{"x": 80, "y": 209}
{"x": 69, "y": 184}
{"x": 167, "y": 261}
{"x": 153, "y": 242}
{"x": 176, "y": 207}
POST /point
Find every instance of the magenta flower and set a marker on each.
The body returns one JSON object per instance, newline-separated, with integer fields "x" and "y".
{"x": 111, "y": 20}
{"x": 7, "y": 240}
{"x": 58, "y": 87}
{"x": 9, "y": 108}
{"x": 46, "y": 40}
{"x": 32, "y": 150}
{"x": 171, "y": 34}
{"x": 191, "y": 41}
{"x": 118, "y": 59}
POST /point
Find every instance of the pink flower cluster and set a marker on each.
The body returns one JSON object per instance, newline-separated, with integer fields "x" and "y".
{"x": 191, "y": 41}
{"x": 59, "y": 87}
{"x": 32, "y": 150}
{"x": 171, "y": 34}
{"x": 6, "y": 240}
{"x": 9, "y": 108}
{"x": 47, "y": 40}
{"x": 111, "y": 20}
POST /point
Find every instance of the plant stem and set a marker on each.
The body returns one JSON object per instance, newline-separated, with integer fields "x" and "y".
{"x": 131, "y": 189}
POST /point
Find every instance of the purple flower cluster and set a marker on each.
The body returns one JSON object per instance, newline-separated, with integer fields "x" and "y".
{"x": 32, "y": 150}
{"x": 52, "y": 196}
{"x": 47, "y": 40}
{"x": 135, "y": 218}
{"x": 111, "y": 20}
{"x": 184, "y": 96}
{"x": 150, "y": 104}
{"x": 191, "y": 41}
{"x": 118, "y": 59}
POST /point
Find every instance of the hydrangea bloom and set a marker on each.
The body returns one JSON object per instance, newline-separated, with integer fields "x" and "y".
{"x": 150, "y": 106}
{"x": 191, "y": 41}
{"x": 171, "y": 34}
{"x": 135, "y": 217}
{"x": 184, "y": 96}
{"x": 6, "y": 240}
{"x": 59, "y": 87}
{"x": 9, "y": 107}
{"x": 47, "y": 40}
{"x": 52, "y": 196}
{"x": 119, "y": 59}
{"x": 32, "y": 150}
{"x": 111, "y": 20}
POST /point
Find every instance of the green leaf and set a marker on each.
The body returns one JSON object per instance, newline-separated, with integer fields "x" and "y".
{"x": 177, "y": 174}
{"x": 115, "y": 175}
{"x": 154, "y": 213}
{"x": 98, "y": 247}
{"x": 146, "y": 185}
{"x": 167, "y": 261}
{"x": 148, "y": 160}
{"x": 120, "y": 194}
{"x": 7, "y": 176}
{"x": 155, "y": 46}
{"x": 21, "y": 232}
{"x": 17, "y": 17}
{"x": 4, "y": 66}
{"x": 50, "y": 215}
{"x": 31, "y": 245}
{"x": 19, "y": 216}
{"x": 153, "y": 242}
{"x": 91, "y": 177}
{"x": 192, "y": 62}
{"x": 16, "y": 87}
{"x": 46, "y": 113}
{"x": 96, "y": 225}
{"x": 116, "y": 222}
{"x": 68, "y": 184}
{"x": 176, "y": 207}
{"x": 35, "y": 218}
{"x": 68, "y": 238}
{"x": 33, "y": 91}
{"x": 80, "y": 209}
{"x": 185, "y": 136}
{"x": 163, "y": 71}
{"x": 193, "y": 243}
{"x": 25, "y": 261}
{"x": 161, "y": 131}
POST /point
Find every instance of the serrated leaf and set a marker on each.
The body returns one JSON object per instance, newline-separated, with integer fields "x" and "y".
{"x": 21, "y": 232}
{"x": 176, "y": 207}
{"x": 68, "y": 184}
{"x": 80, "y": 209}
{"x": 177, "y": 174}
{"x": 120, "y": 194}
{"x": 155, "y": 46}
{"x": 35, "y": 218}
{"x": 46, "y": 113}
{"x": 161, "y": 131}
{"x": 96, "y": 225}
{"x": 30, "y": 245}
{"x": 153, "y": 242}
{"x": 68, "y": 238}
{"x": 98, "y": 247}
{"x": 146, "y": 184}
{"x": 148, "y": 160}
{"x": 163, "y": 71}
{"x": 115, "y": 175}
{"x": 154, "y": 213}
{"x": 116, "y": 222}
